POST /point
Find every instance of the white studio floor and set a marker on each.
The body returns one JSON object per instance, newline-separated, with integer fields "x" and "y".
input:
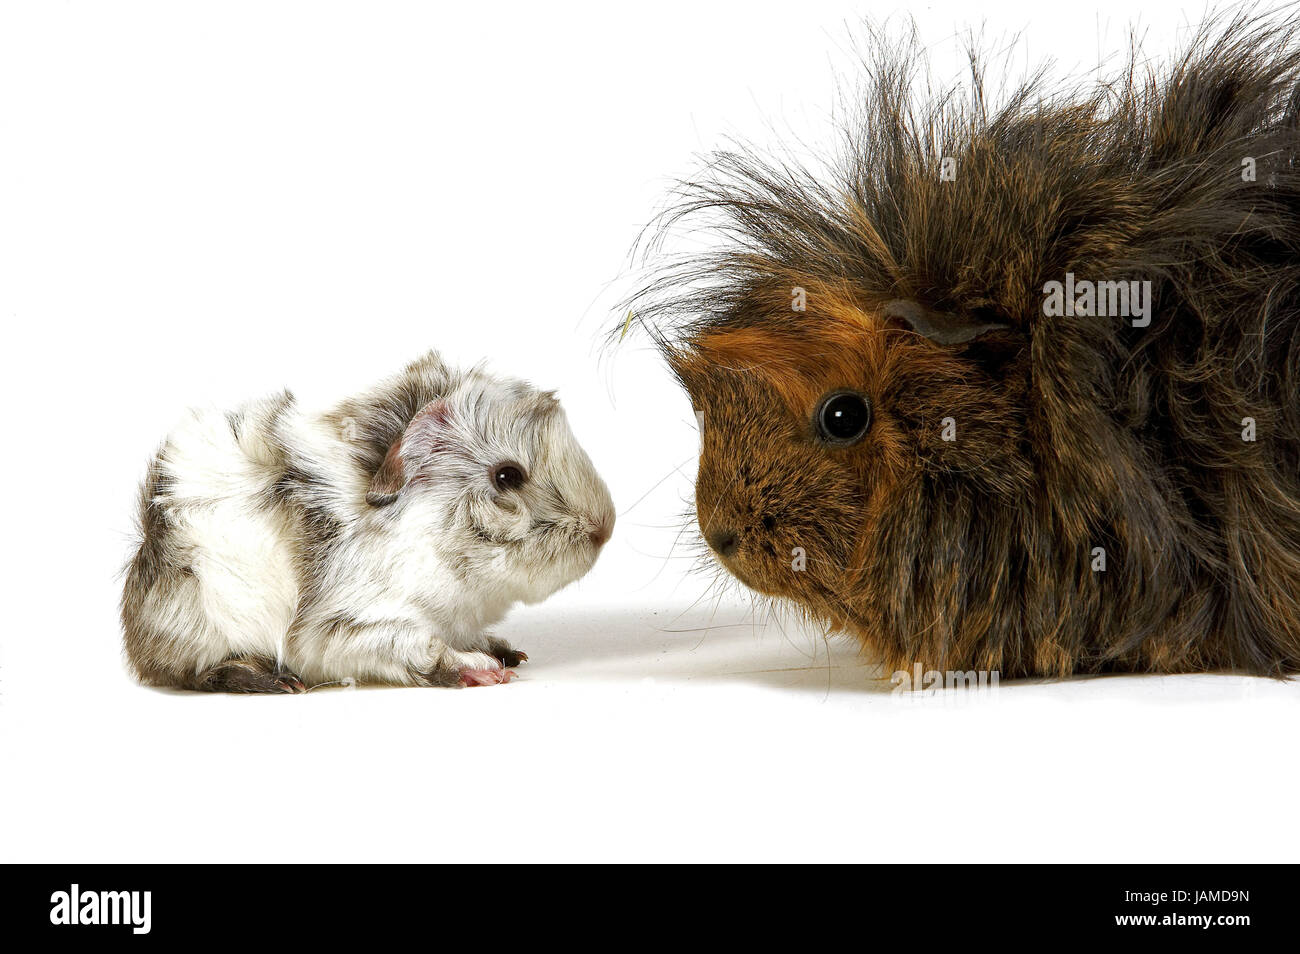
{"x": 643, "y": 734}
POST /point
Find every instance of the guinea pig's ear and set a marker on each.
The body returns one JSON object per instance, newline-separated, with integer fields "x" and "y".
{"x": 421, "y": 438}
{"x": 939, "y": 327}
{"x": 542, "y": 405}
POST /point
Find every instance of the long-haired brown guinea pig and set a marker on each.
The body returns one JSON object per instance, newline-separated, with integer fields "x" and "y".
{"x": 1015, "y": 389}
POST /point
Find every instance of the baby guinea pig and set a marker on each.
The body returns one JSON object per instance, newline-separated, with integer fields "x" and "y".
{"x": 376, "y": 542}
{"x": 908, "y": 434}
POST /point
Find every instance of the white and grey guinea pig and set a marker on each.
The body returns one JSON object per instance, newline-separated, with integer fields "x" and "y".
{"x": 375, "y": 542}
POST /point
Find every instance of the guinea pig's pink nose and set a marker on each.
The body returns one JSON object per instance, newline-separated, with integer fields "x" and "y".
{"x": 601, "y": 534}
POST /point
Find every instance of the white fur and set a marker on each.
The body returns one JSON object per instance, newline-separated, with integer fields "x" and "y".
{"x": 402, "y": 589}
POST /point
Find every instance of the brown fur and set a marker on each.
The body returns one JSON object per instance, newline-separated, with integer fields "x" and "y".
{"x": 1072, "y": 432}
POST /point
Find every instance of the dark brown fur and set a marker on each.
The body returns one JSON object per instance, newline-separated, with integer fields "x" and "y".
{"x": 1072, "y": 432}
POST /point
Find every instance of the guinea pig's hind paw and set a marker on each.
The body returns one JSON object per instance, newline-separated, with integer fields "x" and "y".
{"x": 247, "y": 674}
{"x": 289, "y": 682}
{"x": 485, "y": 677}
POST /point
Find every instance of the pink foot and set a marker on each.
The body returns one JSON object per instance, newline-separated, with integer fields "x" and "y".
{"x": 485, "y": 677}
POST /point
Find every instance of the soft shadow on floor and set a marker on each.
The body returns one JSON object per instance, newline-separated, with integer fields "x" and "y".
{"x": 701, "y": 645}
{"x": 726, "y": 644}
{"x": 687, "y": 644}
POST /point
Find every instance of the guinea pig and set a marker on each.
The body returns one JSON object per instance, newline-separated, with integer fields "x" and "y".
{"x": 373, "y": 543}
{"x": 1013, "y": 389}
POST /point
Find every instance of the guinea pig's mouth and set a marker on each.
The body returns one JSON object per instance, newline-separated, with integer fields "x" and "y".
{"x": 727, "y": 550}
{"x": 755, "y": 585}
{"x": 754, "y": 558}
{"x": 779, "y": 581}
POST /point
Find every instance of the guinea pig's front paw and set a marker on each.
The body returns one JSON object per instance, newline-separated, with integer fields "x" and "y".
{"x": 485, "y": 677}
{"x": 482, "y": 669}
{"x": 501, "y": 650}
{"x": 456, "y": 669}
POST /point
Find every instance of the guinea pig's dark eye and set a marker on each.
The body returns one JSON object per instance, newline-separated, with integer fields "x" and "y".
{"x": 843, "y": 417}
{"x": 508, "y": 476}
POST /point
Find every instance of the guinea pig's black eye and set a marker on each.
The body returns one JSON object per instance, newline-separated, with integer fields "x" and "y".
{"x": 508, "y": 476}
{"x": 843, "y": 417}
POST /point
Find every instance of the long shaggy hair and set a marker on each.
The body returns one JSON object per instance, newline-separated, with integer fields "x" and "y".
{"x": 1036, "y": 492}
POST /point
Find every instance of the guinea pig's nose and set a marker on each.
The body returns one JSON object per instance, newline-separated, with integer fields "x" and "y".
{"x": 602, "y": 532}
{"x": 724, "y": 542}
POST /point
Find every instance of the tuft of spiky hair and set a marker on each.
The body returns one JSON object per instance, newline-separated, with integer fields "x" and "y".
{"x": 1138, "y": 172}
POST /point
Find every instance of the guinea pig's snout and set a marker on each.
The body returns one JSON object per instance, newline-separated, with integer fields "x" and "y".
{"x": 723, "y": 541}
{"x": 600, "y": 529}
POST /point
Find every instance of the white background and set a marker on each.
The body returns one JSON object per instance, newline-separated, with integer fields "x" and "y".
{"x": 201, "y": 204}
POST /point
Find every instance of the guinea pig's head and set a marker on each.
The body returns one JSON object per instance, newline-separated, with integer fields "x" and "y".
{"x": 821, "y": 431}
{"x": 493, "y": 476}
